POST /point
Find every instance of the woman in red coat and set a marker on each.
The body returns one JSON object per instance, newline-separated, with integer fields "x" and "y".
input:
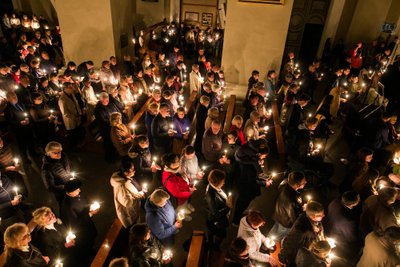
{"x": 179, "y": 186}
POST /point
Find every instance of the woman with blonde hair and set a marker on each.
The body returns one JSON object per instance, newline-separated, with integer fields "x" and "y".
{"x": 120, "y": 135}
{"x": 236, "y": 124}
{"x": 50, "y": 234}
{"x": 19, "y": 251}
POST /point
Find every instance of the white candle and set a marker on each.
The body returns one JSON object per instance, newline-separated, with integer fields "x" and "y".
{"x": 73, "y": 175}
{"x": 15, "y": 188}
{"x": 167, "y": 254}
{"x": 16, "y": 161}
{"x": 144, "y": 187}
{"x": 140, "y": 91}
{"x": 154, "y": 160}
{"x": 70, "y": 236}
{"x": 181, "y": 215}
{"x": 133, "y": 127}
{"x": 94, "y": 206}
{"x": 266, "y": 128}
{"x": 25, "y": 115}
{"x": 195, "y": 183}
{"x": 331, "y": 242}
{"x": 59, "y": 263}
{"x": 269, "y": 243}
{"x": 308, "y": 198}
{"x": 203, "y": 168}
{"x": 229, "y": 194}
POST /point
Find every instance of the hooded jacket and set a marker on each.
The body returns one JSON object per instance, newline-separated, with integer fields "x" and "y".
{"x": 126, "y": 199}
{"x": 254, "y": 239}
{"x": 161, "y": 221}
{"x": 55, "y": 173}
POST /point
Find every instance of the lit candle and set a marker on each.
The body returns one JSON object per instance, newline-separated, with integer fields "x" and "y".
{"x": 319, "y": 146}
{"x": 345, "y": 84}
{"x": 370, "y": 71}
{"x": 140, "y": 91}
{"x": 269, "y": 242}
{"x": 300, "y": 83}
{"x": 229, "y": 194}
{"x": 273, "y": 174}
{"x": 187, "y": 129}
{"x": 167, "y": 254}
{"x": 94, "y": 206}
{"x": 322, "y": 74}
{"x": 308, "y": 198}
{"x": 266, "y": 128}
{"x": 133, "y": 127}
{"x": 73, "y": 175}
{"x": 25, "y": 115}
{"x": 225, "y": 152}
{"x": 154, "y": 161}
{"x": 51, "y": 112}
{"x": 203, "y": 168}
{"x": 16, "y": 161}
{"x": 331, "y": 256}
{"x": 133, "y": 40}
{"x": 167, "y": 62}
{"x": 181, "y": 215}
{"x": 309, "y": 115}
{"x": 16, "y": 87}
{"x": 331, "y": 242}
{"x": 70, "y": 236}
{"x": 144, "y": 187}
{"x": 59, "y": 263}
{"x": 269, "y": 112}
{"x": 363, "y": 85}
{"x": 15, "y": 188}
{"x": 195, "y": 183}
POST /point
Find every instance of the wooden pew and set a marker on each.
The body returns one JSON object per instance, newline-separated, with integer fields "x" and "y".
{"x": 103, "y": 254}
{"x": 197, "y": 249}
{"x": 140, "y": 113}
{"x": 229, "y": 113}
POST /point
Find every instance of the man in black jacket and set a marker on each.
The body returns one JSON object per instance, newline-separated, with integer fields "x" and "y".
{"x": 201, "y": 116}
{"x": 162, "y": 131}
{"x": 306, "y": 229}
{"x": 17, "y": 116}
{"x": 289, "y": 205}
{"x": 250, "y": 157}
{"x": 76, "y": 213}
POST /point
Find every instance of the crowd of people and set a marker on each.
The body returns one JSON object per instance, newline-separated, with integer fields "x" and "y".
{"x": 48, "y": 107}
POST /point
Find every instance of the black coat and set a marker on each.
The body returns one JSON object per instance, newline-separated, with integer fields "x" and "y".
{"x": 247, "y": 157}
{"x": 159, "y": 131}
{"x": 146, "y": 255}
{"x": 102, "y": 114}
{"x": 288, "y": 206}
{"x": 142, "y": 161}
{"x": 55, "y": 173}
{"x": 302, "y": 234}
{"x": 217, "y": 209}
{"x": 343, "y": 223}
{"x": 14, "y": 114}
{"x": 6, "y": 195}
{"x": 51, "y": 242}
{"x": 33, "y": 258}
{"x": 75, "y": 214}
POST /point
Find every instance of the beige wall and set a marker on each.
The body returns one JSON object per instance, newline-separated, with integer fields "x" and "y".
{"x": 367, "y": 20}
{"x": 42, "y": 7}
{"x": 150, "y": 12}
{"x": 255, "y": 36}
{"x": 86, "y": 28}
{"x": 331, "y": 24}
{"x": 122, "y": 21}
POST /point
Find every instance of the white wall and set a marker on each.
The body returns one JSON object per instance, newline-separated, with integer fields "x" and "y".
{"x": 367, "y": 20}
{"x": 150, "y": 12}
{"x": 86, "y": 29}
{"x": 255, "y": 36}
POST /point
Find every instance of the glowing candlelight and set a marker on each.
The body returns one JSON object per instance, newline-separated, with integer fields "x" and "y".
{"x": 94, "y": 206}
{"x": 181, "y": 215}
{"x": 59, "y": 263}
{"x": 167, "y": 62}
{"x": 308, "y": 198}
{"x": 225, "y": 152}
{"x": 144, "y": 187}
{"x": 269, "y": 242}
{"x": 331, "y": 256}
{"x": 273, "y": 174}
{"x": 203, "y": 168}
{"x": 331, "y": 242}
{"x": 269, "y": 112}
{"x": 370, "y": 71}
{"x": 70, "y": 236}
{"x": 195, "y": 183}
{"x": 345, "y": 84}
{"x": 16, "y": 87}
{"x": 347, "y": 96}
{"x": 140, "y": 91}
{"x": 16, "y": 161}
{"x": 309, "y": 115}
{"x": 133, "y": 40}
{"x": 363, "y": 85}
{"x": 51, "y": 112}
{"x": 229, "y": 194}
{"x": 300, "y": 83}
{"x": 15, "y": 188}
{"x": 133, "y": 127}
{"x": 319, "y": 146}
{"x": 25, "y": 115}
{"x": 266, "y": 128}
{"x": 322, "y": 74}
{"x": 187, "y": 129}
{"x": 73, "y": 175}
{"x": 167, "y": 254}
{"x": 154, "y": 160}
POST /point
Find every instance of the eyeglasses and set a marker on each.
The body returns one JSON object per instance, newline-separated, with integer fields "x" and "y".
{"x": 56, "y": 152}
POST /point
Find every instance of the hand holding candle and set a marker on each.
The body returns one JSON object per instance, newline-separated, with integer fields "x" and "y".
{"x": 70, "y": 236}
{"x": 16, "y": 162}
{"x": 94, "y": 206}
{"x": 167, "y": 255}
{"x": 59, "y": 263}
{"x": 145, "y": 187}
{"x": 180, "y": 216}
